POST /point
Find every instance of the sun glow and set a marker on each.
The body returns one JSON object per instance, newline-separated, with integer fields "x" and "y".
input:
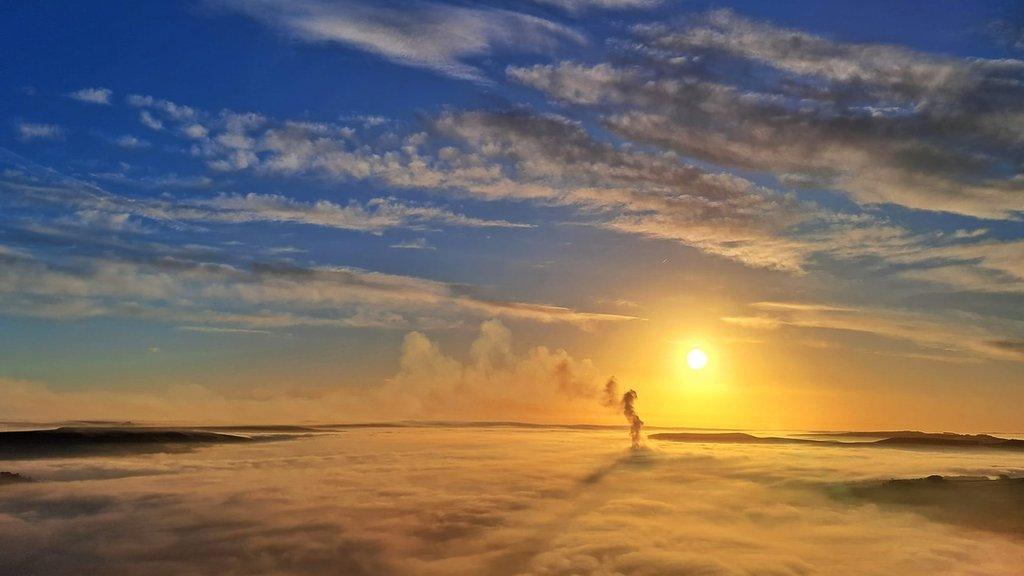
{"x": 696, "y": 359}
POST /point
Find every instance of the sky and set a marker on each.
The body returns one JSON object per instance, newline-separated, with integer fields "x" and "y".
{"x": 353, "y": 210}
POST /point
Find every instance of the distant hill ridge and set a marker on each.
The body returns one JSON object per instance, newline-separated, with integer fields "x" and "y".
{"x": 89, "y": 440}
{"x": 898, "y": 438}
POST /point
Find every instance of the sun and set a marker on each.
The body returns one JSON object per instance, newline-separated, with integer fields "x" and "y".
{"x": 696, "y": 359}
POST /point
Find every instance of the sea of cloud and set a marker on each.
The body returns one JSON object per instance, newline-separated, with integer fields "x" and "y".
{"x": 491, "y": 500}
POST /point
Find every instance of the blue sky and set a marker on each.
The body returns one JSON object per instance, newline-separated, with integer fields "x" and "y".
{"x": 276, "y": 195}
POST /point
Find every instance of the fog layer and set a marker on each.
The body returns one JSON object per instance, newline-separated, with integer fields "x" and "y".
{"x": 506, "y": 501}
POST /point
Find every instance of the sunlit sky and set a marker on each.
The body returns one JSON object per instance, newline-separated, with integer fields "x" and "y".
{"x": 274, "y": 210}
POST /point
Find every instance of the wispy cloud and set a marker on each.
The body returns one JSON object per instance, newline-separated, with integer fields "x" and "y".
{"x": 881, "y": 124}
{"x": 549, "y": 160}
{"x": 959, "y": 335}
{"x": 375, "y": 216}
{"x": 36, "y": 131}
{"x": 222, "y": 330}
{"x": 130, "y": 142}
{"x": 414, "y": 244}
{"x": 884, "y": 124}
{"x": 163, "y": 181}
{"x": 93, "y": 95}
{"x": 150, "y": 121}
{"x": 259, "y": 296}
{"x": 578, "y": 6}
{"x": 543, "y": 159}
{"x": 985, "y": 266}
{"x": 176, "y": 111}
{"x": 31, "y": 182}
{"x": 416, "y": 34}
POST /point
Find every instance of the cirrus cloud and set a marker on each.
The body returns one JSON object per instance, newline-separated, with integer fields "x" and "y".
{"x": 415, "y": 34}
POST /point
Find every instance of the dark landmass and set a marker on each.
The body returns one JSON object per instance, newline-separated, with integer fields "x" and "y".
{"x": 911, "y": 434}
{"x": 74, "y": 441}
{"x": 511, "y": 424}
{"x": 321, "y": 427}
{"x": 13, "y": 478}
{"x": 467, "y": 424}
{"x": 870, "y": 433}
{"x": 732, "y": 438}
{"x": 982, "y": 503}
{"x": 283, "y": 428}
{"x": 471, "y": 424}
{"x": 907, "y": 439}
{"x": 982, "y": 440}
{"x": 31, "y": 425}
{"x": 97, "y": 423}
{"x": 365, "y": 425}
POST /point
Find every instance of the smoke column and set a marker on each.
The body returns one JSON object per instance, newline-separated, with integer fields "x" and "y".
{"x": 610, "y": 397}
{"x": 635, "y": 423}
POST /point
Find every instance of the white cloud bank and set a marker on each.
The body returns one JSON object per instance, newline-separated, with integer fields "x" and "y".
{"x": 495, "y": 382}
{"x": 500, "y": 502}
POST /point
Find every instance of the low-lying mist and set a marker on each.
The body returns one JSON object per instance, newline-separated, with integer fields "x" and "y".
{"x": 478, "y": 500}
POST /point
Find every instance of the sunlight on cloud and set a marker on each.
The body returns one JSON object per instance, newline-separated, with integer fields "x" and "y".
{"x": 495, "y": 381}
{"x": 485, "y": 500}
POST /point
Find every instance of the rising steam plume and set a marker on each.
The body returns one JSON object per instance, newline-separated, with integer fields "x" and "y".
{"x": 629, "y": 410}
{"x": 635, "y": 423}
{"x": 610, "y": 398}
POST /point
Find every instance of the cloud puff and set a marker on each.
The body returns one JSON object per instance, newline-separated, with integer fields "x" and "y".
{"x": 35, "y": 131}
{"x": 176, "y": 111}
{"x": 195, "y": 131}
{"x": 150, "y": 121}
{"x": 413, "y": 33}
{"x": 496, "y": 381}
{"x": 93, "y": 95}
{"x": 130, "y": 142}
